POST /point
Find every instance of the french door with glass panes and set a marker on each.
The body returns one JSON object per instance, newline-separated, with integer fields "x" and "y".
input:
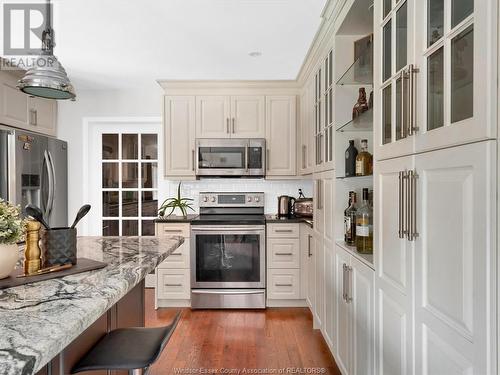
{"x": 456, "y": 52}
{"x": 129, "y": 183}
{"x": 394, "y": 72}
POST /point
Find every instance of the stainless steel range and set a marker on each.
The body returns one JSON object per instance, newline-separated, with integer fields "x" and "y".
{"x": 228, "y": 252}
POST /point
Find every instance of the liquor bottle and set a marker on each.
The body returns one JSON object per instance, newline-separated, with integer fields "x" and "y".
{"x": 361, "y": 105}
{"x": 350, "y": 220}
{"x": 364, "y": 160}
{"x": 364, "y": 226}
{"x": 350, "y": 159}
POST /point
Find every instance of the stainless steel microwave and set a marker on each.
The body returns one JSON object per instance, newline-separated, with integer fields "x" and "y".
{"x": 230, "y": 157}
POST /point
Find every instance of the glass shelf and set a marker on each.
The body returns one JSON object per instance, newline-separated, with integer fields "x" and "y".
{"x": 360, "y": 72}
{"x": 363, "y": 122}
{"x": 354, "y": 177}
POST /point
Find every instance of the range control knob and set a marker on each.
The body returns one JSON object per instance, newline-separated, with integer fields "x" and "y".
{"x": 249, "y": 199}
{"x": 257, "y": 199}
{"x": 205, "y": 198}
{"x": 212, "y": 199}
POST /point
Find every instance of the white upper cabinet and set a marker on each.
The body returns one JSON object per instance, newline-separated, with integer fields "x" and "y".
{"x": 179, "y": 133}
{"x": 436, "y": 76}
{"x": 43, "y": 115}
{"x": 456, "y": 47}
{"x": 455, "y": 266}
{"x": 241, "y": 116}
{"x": 248, "y": 117}
{"x": 213, "y": 116}
{"x": 19, "y": 110}
{"x": 394, "y": 69}
{"x": 281, "y": 135}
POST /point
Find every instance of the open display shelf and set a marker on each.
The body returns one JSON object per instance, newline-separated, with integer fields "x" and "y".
{"x": 369, "y": 177}
{"x": 362, "y": 123}
{"x": 360, "y": 72}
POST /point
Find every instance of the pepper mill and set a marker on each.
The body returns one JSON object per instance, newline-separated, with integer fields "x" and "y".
{"x": 32, "y": 252}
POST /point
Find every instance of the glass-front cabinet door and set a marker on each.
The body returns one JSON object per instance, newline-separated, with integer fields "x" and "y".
{"x": 394, "y": 77}
{"x": 456, "y": 88}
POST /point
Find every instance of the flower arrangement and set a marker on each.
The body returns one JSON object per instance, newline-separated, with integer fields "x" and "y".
{"x": 12, "y": 225}
{"x": 172, "y": 203}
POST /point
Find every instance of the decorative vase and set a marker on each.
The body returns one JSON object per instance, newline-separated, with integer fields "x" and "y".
{"x": 9, "y": 255}
{"x": 361, "y": 105}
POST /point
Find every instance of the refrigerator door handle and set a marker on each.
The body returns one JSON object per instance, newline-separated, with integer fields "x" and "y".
{"x": 44, "y": 203}
{"x": 52, "y": 183}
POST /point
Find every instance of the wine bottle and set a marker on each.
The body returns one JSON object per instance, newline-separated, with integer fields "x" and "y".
{"x": 350, "y": 220}
{"x": 364, "y": 160}
{"x": 364, "y": 226}
{"x": 350, "y": 159}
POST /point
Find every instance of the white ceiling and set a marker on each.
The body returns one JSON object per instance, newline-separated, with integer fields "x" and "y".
{"x": 129, "y": 43}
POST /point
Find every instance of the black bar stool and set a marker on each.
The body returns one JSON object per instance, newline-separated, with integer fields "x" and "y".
{"x": 132, "y": 349}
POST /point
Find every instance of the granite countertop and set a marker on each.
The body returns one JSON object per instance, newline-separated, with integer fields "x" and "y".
{"x": 272, "y": 219}
{"x": 38, "y": 320}
{"x": 176, "y": 219}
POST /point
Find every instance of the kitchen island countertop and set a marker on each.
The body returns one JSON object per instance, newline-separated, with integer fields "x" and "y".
{"x": 38, "y": 320}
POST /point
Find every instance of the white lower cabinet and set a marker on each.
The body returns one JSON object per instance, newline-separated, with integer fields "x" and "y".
{"x": 354, "y": 315}
{"x": 284, "y": 265}
{"x": 173, "y": 275}
{"x": 455, "y": 261}
{"x": 435, "y": 292}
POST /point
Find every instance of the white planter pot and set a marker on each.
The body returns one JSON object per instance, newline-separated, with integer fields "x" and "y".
{"x": 9, "y": 255}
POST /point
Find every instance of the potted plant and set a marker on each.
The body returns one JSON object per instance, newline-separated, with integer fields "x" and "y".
{"x": 183, "y": 204}
{"x": 12, "y": 230}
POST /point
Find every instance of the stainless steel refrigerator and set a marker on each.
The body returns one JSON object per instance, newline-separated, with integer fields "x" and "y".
{"x": 34, "y": 169}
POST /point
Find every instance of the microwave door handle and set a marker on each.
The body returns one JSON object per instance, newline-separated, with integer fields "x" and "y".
{"x": 246, "y": 156}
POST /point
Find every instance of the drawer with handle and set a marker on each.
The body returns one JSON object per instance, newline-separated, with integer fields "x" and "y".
{"x": 173, "y": 284}
{"x": 165, "y": 229}
{"x": 283, "y": 284}
{"x": 179, "y": 258}
{"x": 283, "y": 230}
{"x": 283, "y": 253}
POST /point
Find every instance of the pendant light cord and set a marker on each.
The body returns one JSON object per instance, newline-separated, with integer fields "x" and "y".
{"x": 48, "y": 38}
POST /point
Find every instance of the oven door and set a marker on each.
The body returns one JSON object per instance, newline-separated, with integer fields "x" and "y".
{"x": 228, "y": 256}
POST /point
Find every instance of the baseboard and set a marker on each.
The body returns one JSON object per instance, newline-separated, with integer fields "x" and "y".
{"x": 173, "y": 303}
{"x": 286, "y": 303}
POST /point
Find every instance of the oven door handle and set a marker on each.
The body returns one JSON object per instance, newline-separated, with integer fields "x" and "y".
{"x": 219, "y": 291}
{"x": 233, "y": 229}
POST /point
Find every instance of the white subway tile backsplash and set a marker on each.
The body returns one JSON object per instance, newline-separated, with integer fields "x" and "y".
{"x": 271, "y": 188}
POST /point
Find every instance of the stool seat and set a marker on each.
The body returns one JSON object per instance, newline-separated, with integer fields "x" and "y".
{"x": 127, "y": 349}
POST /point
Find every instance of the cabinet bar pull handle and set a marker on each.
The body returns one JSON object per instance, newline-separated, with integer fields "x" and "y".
{"x": 309, "y": 237}
{"x": 173, "y": 230}
{"x": 283, "y": 284}
{"x": 173, "y": 284}
{"x": 401, "y": 205}
{"x": 227, "y": 125}
{"x": 412, "y": 206}
{"x": 283, "y": 230}
{"x": 283, "y": 253}
{"x": 304, "y": 156}
{"x": 267, "y": 159}
{"x": 233, "y": 124}
{"x": 344, "y": 294}
{"x": 192, "y": 155}
{"x": 412, "y": 71}
{"x": 176, "y": 254}
{"x": 348, "y": 284}
{"x": 404, "y": 77}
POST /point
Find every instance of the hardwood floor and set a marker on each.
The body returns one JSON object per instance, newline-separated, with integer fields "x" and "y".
{"x": 271, "y": 339}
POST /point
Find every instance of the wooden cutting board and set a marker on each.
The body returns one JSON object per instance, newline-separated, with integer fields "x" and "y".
{"x": 82, "y": 265}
